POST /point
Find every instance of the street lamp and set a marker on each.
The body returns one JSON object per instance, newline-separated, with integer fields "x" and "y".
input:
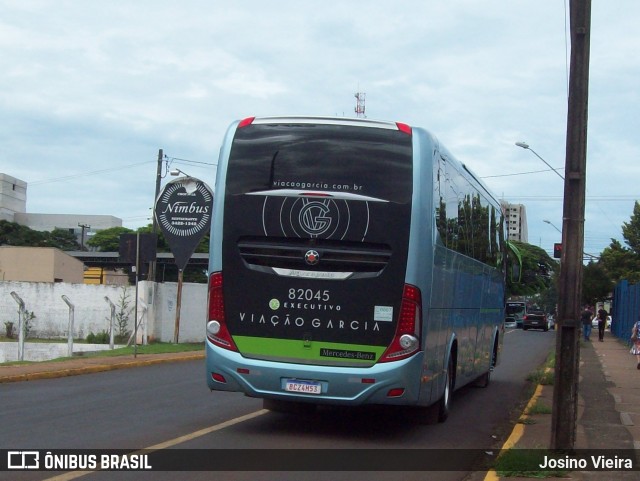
{"x": 524, "y": 145}
{"x": 189, "y": 184}
{"x": 176, "y": 172}
{"x": 549, "y": 222}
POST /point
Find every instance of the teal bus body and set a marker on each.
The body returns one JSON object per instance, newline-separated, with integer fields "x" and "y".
{"x": 352, "y": 262}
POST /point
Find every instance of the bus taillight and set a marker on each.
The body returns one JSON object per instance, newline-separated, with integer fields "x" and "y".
{"x": 217, "y": 331}
{"x": 406, "y": 340}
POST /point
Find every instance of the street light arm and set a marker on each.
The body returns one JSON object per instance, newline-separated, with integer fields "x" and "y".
{"x": 524, "y": 145}
{"x": 552, "y": 225}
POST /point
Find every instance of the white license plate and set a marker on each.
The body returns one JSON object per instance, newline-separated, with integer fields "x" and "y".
{"x": 306, "y": 387}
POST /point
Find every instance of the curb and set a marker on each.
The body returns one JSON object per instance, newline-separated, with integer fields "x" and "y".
{"x": 516, "y": 433}
{"x": 96, "y": 368}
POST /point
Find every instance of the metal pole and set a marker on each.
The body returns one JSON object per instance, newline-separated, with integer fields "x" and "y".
{"x": 21, "y": 321}
{"x": 135, "y": 322}
{"x": 71, "y": 320}
{"x": 152, "y": 264}
{"x": 565, "y": 393}
{"x": 111, "y": 321}
{"x": 176, "y": 330}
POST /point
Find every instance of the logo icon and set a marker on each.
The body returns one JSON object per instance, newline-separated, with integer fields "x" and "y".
{"x": 312, "y": 257}
{"x": 274, "y": 304}
{"x": 307, "y": 218}
{"x": 23, "y": 460}
{"x": 314, "y": 218}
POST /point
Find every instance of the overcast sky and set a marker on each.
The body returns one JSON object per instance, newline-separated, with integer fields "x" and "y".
{"x": 90, "y": 91}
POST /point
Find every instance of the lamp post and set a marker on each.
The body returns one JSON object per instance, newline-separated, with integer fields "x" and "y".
{"x": 176, "y": 172}
{"x": 524, "y": 145}
{"x": 549, "y": 222}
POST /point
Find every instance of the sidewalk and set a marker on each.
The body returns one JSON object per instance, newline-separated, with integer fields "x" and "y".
{"x": 608, "y": 399}
{"x": 608, "y": 409}
{"x": 85, "y": 365}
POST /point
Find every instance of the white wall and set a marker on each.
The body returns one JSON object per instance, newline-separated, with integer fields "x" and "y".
{"x": 92, "y": 312}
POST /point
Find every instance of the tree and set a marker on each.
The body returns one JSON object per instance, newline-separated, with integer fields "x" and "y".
{"x": 537, "y": 270}
{"x": 108, "y": 240}
{"x": 63, "y": 239}
{"x": 631, "y": 230}
{"x": 596, "y": 283}
{"x": 14, "y": 234}
{"x": 620, "y": 262}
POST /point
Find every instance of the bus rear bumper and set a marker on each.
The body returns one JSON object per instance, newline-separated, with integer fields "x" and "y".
{"x": 384, "y": 383}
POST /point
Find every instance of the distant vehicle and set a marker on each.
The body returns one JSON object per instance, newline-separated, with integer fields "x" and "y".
{"x": 535, "y": 319}
{"x": 551, "y": 321}
{"x": 594, "y": 323}
{"x": 514, "y": 312}
{"x": 510, "y": 322}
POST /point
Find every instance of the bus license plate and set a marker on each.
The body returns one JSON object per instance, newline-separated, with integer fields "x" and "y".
{"x": 306, "y": 387}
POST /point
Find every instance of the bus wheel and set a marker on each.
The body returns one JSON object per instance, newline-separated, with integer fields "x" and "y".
{"x": 289, "y": 407}
{"x": 483, "y": 380}
{"x": 444, "y": 405}
{"x": 439, "y": 411}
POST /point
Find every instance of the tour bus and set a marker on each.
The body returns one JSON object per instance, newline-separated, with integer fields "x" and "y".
{"x": 352, "y": 262}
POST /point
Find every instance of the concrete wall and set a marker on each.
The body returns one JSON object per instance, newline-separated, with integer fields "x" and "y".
{"x": 39, "y": 264}
{"x": 92, "y": 313}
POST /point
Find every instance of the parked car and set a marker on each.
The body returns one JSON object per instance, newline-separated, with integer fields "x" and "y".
{"x": 594, "y": 323}
{"x": 535, "y": 319}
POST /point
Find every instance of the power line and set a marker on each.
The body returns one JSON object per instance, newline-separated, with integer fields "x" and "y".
{"x": 86, "y": 174}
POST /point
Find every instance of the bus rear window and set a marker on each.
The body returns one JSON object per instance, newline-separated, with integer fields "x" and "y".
{"x": 316, "y": 157}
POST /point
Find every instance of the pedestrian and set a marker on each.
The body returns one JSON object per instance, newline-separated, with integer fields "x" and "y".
{"x": 635, "y": 339}
{"x": 586, "y": 318}
{"x": 602, "y": 323}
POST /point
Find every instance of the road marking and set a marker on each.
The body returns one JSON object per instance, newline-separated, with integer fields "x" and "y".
{"x": 170, "y": 443}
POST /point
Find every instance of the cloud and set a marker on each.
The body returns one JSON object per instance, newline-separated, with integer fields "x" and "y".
{"x": 89, "y": 86}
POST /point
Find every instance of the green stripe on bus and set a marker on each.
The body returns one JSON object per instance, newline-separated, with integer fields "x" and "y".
{"x": 317, "y": 351}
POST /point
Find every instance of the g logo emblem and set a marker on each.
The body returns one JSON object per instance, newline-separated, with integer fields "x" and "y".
{"x": 314, "y": 218}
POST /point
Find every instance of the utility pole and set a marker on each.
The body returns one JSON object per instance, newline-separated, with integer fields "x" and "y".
{"x": 565, "y": 392}
{"x": 152, "y": 264}
{"x": 83, "y": 227}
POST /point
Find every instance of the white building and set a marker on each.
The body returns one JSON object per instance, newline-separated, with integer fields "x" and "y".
{"x": 516, "y": 221}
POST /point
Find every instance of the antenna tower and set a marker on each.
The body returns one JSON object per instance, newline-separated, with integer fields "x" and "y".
{"x": 360, "y": 98}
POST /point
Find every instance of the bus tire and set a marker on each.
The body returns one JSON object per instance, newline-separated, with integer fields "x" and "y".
{"x": 483, "y": 380}
{"x": 288, "y": 407}
{"x": 444, "y": 404}
{"x": 437, "y": 412}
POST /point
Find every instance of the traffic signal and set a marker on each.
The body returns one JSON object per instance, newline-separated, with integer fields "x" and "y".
{"x": 557, "y": 250}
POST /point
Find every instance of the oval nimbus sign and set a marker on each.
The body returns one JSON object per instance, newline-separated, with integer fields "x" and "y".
{"x": 183, "y": 212}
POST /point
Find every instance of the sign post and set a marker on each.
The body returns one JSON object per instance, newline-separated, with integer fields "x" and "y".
{"x": 183, "y": 212}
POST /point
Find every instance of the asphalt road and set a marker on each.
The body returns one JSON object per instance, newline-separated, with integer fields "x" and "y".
{"x": 170, "y": 403}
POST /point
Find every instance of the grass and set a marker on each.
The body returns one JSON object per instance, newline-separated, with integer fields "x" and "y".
{"x": 526, "y": 463}
{"x": 545, "y": 374}
{"x": 154, "y": 348}
{"x": 539, "y": 408}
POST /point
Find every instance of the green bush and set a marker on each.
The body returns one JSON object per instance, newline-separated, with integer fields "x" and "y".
{"x": 100, "y": 338}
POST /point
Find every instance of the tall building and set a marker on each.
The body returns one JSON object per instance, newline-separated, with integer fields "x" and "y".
{"x": 13, "y": 197}
{"x": 516, "y": 220}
